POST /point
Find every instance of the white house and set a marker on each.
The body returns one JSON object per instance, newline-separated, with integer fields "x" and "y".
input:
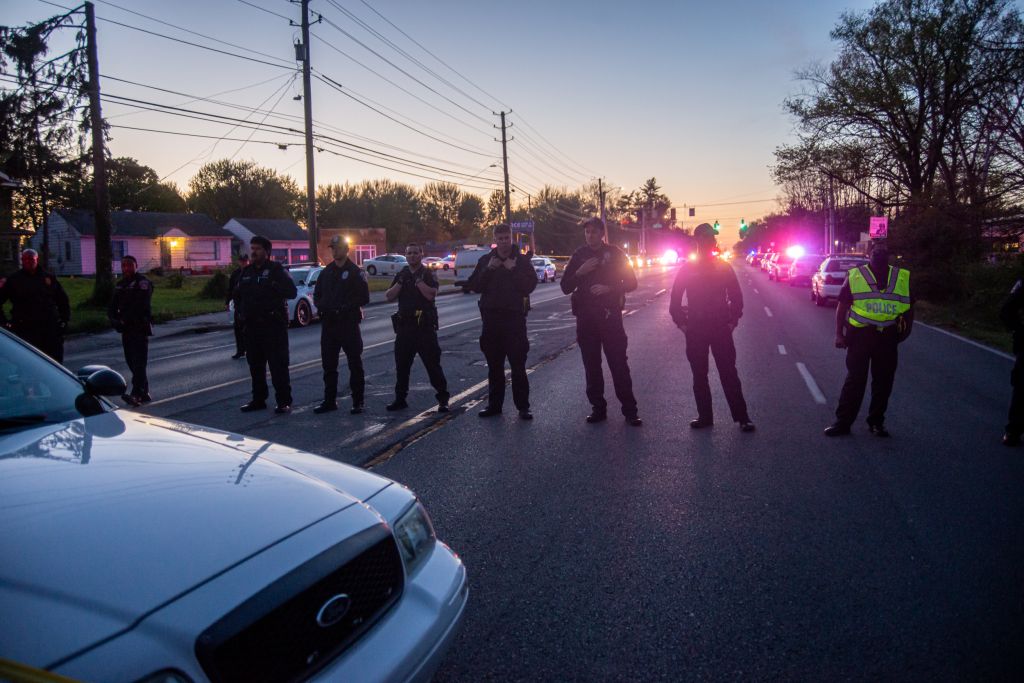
{"x": 290, "y": 242}
{"x": 168, "y": 240}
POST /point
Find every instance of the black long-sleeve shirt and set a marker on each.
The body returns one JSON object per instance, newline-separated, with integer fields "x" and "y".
{"x": 1010, "y": 315}
{"x": 614, "y": 271}
{"x": 713, "y": 294}
{"x": 502, "y": 289}
{"x": 130, "y": 309}
{"x": 37, "y": 299}
{"x": 263, "y": 292}
{"x": 341, "y": 291}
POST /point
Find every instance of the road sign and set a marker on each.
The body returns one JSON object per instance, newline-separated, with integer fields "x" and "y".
{"x": 522, "y": 226}
{"x": 879, "y": 227}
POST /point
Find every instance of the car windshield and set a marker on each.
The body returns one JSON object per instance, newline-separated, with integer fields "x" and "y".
{"x": 33, "y": 391}
{"x": 299, "y": 275}
{"x": 842, "y": 265}
{"x": 539, "y": 262}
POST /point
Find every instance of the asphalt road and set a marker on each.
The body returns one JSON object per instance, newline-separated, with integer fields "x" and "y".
{"x": 606, "y": 552}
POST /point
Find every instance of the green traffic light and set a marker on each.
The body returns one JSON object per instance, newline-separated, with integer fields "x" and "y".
{"x": 717, "y": 226}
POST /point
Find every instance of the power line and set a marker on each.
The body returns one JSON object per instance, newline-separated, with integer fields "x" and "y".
{"x": 526, "y": 123}
{"x": 264, "y": 9}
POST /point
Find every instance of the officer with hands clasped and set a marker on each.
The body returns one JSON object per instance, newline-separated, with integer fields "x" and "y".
{"x": 264, "y": 288}
{"x": 714, "y": 307}
{"x": 39, "y": 306}
{"x": 504, "y": 277}
{"x": 339, "y": 295}
{"x": 874, "y": 315}
{"x": 130, "y": 315}
{"x": 416, "y": 328}
{"x": 598, "y": 277}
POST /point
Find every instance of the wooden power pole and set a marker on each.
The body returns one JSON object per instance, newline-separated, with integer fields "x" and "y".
{"x": 104, "y": 286}
{"x": 311, "y": 226}
{"x": 504, "y": 156}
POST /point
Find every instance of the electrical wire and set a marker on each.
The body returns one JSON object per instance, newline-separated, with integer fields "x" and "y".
{"x": 264, "y": 9}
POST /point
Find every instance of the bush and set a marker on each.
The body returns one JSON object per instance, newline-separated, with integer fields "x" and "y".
{"x": 175, "y": 281}
{"x": 939, "y": 249}
{"x": 216, "y": 287}
{"x": 157, "y": 272}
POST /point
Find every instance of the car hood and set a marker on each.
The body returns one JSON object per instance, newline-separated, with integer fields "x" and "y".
{"x": 106, "y": 518}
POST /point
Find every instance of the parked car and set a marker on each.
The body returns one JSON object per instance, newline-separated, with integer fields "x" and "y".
{"x": 831, "y": 274}
{"x": 138, "y": 548}
{"x": 766, "y": 260}
{"x": 301, "y": 309}
{"x": 432, "y": 262}
{"x": 802, "y": 268}
{"x": 546, "y": 270}
{"x": 465, "y": 263}
{"x": 448, "y": 263}
{"x": 387, "y": 264}
{"x": 778, "y": 266}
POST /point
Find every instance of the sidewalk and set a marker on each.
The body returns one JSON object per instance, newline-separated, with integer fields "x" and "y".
{"x": 196, "y": 324}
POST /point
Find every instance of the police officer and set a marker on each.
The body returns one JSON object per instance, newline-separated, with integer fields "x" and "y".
{"x": 714, "y": 308}
{"x": 129, "y": 313}
{"x": 232, "y": 295}
{"x": 598, "y": 277}
{"x": 1010, "y": 315}
{"x": 39, "y": 306}
{"x": 264, "y": 288}
{"x": 875, "y": 314}
{"x": 504, "y": 277}
{"x": 340, "y": 293}
{"x": 416, "y": 328}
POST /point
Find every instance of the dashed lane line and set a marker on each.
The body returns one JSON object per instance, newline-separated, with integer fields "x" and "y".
{"x": 755, "y": 291}
{"x": 782, "y": 350}
{"x": 768, "y": 312}
{"x": 812, "y": 386}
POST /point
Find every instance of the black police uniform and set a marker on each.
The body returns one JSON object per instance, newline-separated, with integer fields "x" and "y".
{"x": 504, "y": 303}
{"x": 130, "y": 314}
{"x": 232, "y": 295}
{"x": 39, "y": 310}
{"x": 262, "y": 301}
{"x": 714, "y": 308}
{"x": 869, "y": 348}
{"x": 1010, "y": 315}
{"x": 599, "y": 322}
{"x": 416, "y": 333}
{"x": 339, "y": 295}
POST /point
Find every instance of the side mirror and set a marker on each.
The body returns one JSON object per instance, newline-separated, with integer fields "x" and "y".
{"x": 99, "y": 380}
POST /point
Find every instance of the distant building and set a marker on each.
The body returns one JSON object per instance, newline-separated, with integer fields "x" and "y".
{"x": 291, "y": 242}
{"x": 191, "y": 241}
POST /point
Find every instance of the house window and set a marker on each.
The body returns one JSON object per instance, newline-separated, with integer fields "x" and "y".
{"x": 299, "y": 256}
{"x": 202, "y": 250}
{"x": 67, "y": 251}
{"x": 117, "y": 248}
{"x": 279, "y": 255}
{"x": 361, "y": 252}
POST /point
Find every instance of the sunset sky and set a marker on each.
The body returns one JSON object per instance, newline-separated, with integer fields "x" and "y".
{"x": 690, "y": 93}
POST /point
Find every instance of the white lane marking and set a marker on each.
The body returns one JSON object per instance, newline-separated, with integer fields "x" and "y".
{"x": 782, "y": 350}
{"x": 660, "y": 292}
{"x": 812, "y": 386}
{"x": 1001, "y": 354}
{"x": 311, "y": 363}
{"x": 755, "y": 291}
{"x": 192, "y": 352}
{"x": 768, "y": 311}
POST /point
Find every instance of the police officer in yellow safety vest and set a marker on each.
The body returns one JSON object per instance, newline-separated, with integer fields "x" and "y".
{"x": 875, "y": 314}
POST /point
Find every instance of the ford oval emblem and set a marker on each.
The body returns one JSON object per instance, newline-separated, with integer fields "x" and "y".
{"x": 334, "y": 610}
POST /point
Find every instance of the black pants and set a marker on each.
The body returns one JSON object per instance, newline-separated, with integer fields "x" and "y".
{"x": 337, "y": 335}
{"x": 867, "y": 348}
{"x": 136, "y": 355}
{"x": 46, "y": 337}
{"x": 504, "y": 336}
{"x": 1015, "y": 421}
{"x": 718, "y": 340}
{"x": 267, "y": 344}
{"x": 422, "y": 341}
{"x": 596, "y": 330}
{"x": 239, "y": 338}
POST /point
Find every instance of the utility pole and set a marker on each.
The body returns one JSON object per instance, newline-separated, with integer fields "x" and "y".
{"x": 600, "y": 193}
{"x": 307, "y": 97}
{"x": 103, "y": 288}
{"x": 831, "y": 218}
{"x": 504, "y": 156}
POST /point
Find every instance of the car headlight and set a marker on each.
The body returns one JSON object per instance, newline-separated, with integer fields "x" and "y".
{"x": 415, "y": 536}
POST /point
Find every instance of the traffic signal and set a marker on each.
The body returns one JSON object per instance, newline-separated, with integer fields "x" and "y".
{"x": 743, "y": 228}
{"x": 717, "y": 226}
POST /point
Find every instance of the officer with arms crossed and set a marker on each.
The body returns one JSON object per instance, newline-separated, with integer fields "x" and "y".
{"x": 129, "y": 313}
{"x": 598, "y": 277}
{"x": 232, "y": 295}
{"x": 264, "y": 288}
{"x": 416, "y": 328}
{"x": 714, "y": 308}
{"x": 504, "y": 278}
{"x": 39, "y": 307}
{"x": 340, "y": 293}
{"x": 875, "y": 314}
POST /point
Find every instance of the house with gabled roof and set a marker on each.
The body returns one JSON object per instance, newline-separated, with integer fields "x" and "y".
{"x": 290, "y": 241}
{"x": 190, "y": 241}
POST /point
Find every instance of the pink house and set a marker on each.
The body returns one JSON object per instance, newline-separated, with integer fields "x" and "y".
{"x": 290, "y": 243}
{"x": 192, "y": 241}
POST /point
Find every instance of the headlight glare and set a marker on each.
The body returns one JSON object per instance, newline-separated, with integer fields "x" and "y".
{"x": 415, "y": 536}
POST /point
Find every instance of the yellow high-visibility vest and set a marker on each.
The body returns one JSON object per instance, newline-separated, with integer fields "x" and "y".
{"x": 873, "y": 305}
